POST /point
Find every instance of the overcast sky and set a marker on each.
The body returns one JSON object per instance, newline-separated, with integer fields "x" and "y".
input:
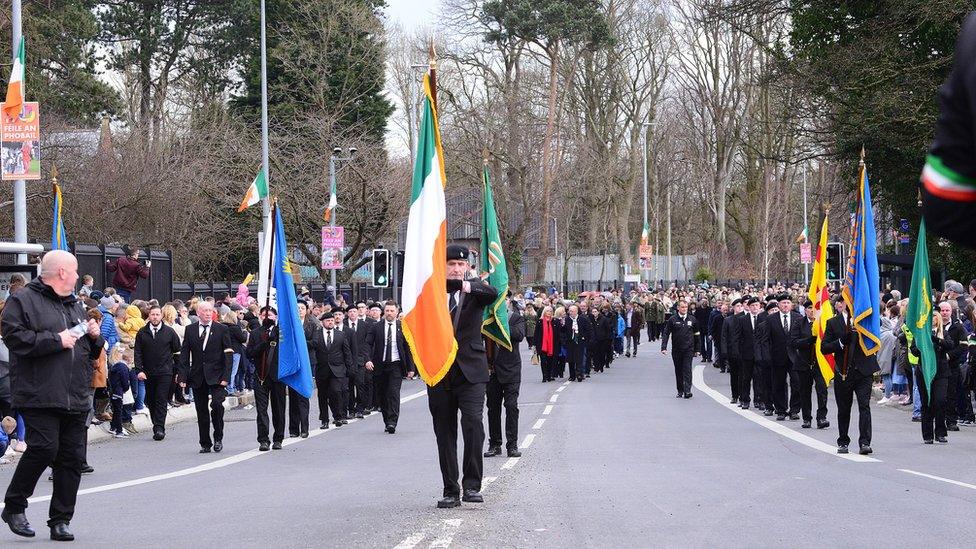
{"x": 411, "y": 14}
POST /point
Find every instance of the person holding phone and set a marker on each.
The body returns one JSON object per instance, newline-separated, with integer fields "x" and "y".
{"x": 128, "y": 270}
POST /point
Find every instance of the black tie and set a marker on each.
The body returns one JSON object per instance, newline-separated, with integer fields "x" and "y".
{"x": 453, "y": 302}
{"x": 154, "y": 332}
{"x": 328, "y": 338}
{"x": 388, "y": 357}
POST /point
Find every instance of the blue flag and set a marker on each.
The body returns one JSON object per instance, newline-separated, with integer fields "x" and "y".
{"x": 294, "y": 368}
{"x": 59, "y": 240}
{"x": 861, "y": 285}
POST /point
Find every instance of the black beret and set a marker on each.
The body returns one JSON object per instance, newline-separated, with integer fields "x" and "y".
{"x": 96, "y": 295}
{"x": 269, "y": 308}
{"x": 752, "y": 300}
{"x": 736, "y": 302}
{"x": 808, "y": 303}
{"x": 770, "y": 306}
{"x": 457, "y": 251}
{"x": 375, "y": 306}
{"x": 351, "y": 308}
{"x": 784, "y": 297}
{"x": 324, "y": 316}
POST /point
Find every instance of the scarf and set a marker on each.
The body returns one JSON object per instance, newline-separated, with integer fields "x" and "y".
{"x": 547, "y": 337}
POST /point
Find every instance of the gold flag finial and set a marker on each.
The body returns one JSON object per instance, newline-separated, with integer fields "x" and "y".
{"x": 433, "y": 54}
{"x": 862, "y": 155}
{"x": 484, "y": 155}
{"x": 54, "y": 173}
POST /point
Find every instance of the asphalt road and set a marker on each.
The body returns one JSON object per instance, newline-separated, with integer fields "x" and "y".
{"x": 616, "y": 461}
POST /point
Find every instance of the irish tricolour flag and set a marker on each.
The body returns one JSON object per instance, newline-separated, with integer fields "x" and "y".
{"x": 256, "y": 192}
{"x": 426, "y": 321}
{"x": 15, "y": 86}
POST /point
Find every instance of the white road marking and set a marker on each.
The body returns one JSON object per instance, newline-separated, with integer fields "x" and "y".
{"x": 538, "y": 423}
{"x": 486, "y": 481}
{"x": 510, "y": 463}
{"x": 528, "y": 440}
{"x": 561, "y": 389}
{"x": 448, "y": 528}
{"x": 220, "y": 463}
{"x": 941, "y": 479}
{"x": 698, "y": 380}
{"x": 411, "y": 541}
{"x": 565, "y": 383}
{"x": 553, "y": 398}
{"x": 548, "y": 410}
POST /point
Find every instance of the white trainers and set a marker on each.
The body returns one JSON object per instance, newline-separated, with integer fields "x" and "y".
{"x": 884, "y": 400}
{"x": 123, "y": 434}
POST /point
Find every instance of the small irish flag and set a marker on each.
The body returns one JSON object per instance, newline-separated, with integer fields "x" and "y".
{"x": 803, "y": 236}
{"x": 645, "y": 233}
{"x": 15, "y": 87}
{"x": 256, "y": 192}
{"x": 333, "y": 201}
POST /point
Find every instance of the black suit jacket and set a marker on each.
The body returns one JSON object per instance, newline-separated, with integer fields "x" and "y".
{"x": 206, "y": 366}
{"x": 467, "y": 330}
{"x": 353, "y": 344}
{"x": 843, "y": 343}
{"x": 336, "y": 359}
{"x": 361, "y": 351}
{"x": 507, "y": 365}
{"x": 802, "y": 342}
{"x": 155, "y": 356}
{"x": 779, "y": 339}
{"x": 684, "y": 334}
{"x": 376, "y": 338}
{"x": 574, "y": 346}
{"x": 745, "y": 336}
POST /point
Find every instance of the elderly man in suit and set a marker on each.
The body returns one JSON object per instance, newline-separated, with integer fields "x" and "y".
{"x": 332, "y": 358}
{"x": 206, "y": 360}
{"x": 463, "y": 388}
{"x": 503, "y": 385}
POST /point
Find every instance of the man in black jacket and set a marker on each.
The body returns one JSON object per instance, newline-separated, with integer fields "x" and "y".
{"x": 955, "y": 332}
{"x": 156, "y": 347}
{"x": 207, "y": 346}
{"x": 744, "y": 337}
{"x": 807, "y": 371}
{"x": 332, "y": 358}
{"x": 357, "y": 330}
{"x": 389, "y": 355}
{"x": 463, "y": 388}
{"x": 729, "y": 348}
{"x": 50, "y": 340}
{"x": 262, "y": 349}
{"x": 854, "y": 377}
{"x": 782, "y": 354}
{"x": 575, "y": 335}
{"x": 506, "y": 377}
{"x": 349, "y": 394}
{"x": 683, "y": 329}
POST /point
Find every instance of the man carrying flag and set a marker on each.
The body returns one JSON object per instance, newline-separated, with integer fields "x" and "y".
{"x": 449, "y": 356}
{"x": 853, "y": 335}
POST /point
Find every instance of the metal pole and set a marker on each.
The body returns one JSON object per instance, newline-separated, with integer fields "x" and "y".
{"x": 266, "y": 204}
{"x": 20, "y": 186}
{"x": 646, "y": 125}
{"x": 668, "y": 268}
{"x": 332, "y": 218}
{"x": 806, "y": 230}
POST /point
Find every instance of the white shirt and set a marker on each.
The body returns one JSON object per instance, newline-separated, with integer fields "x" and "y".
{"x": 786, "y": 321}
{"x": 327, "y": 336}
{"x": 395, "y": 352}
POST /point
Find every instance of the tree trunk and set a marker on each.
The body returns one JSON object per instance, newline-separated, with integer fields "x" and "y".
{"x": 547, "y": 168}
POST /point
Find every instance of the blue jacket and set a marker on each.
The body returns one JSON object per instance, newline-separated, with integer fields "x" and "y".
{"x": 109, "y": 332}
{"x": 621, "y": 326}
{"x": 118, "y": 379}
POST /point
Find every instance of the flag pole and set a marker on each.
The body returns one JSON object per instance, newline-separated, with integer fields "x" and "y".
{"x": 433, "y": 73}
{"x": 271, "y": 260}
{"x": 266, "y": 203}
{"x": 20, "y": 185}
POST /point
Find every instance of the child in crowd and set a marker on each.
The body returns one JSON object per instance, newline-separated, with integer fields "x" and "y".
{"x": 87, "y": 286}
{"x": 118, "y": 383}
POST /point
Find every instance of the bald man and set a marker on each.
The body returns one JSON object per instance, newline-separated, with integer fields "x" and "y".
{"x": 50, "y": 339}
{"x": 206, "y": 360}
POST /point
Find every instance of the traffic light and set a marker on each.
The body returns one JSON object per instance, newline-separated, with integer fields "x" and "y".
{"x": 835, "y": 261}
{"x": 381, "y": 268}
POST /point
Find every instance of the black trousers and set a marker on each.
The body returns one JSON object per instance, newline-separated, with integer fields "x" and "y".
{"x": 387, "y": 379}
{"x": 746, "y": 367}
{"x": 953, "y": 388}
{"x": 366, "y": 396}
{"x": 157, "y": 398}
{"x": 331, "y": 397}
{"x": 356, "y": 378}
{"x": 732, "y": 365}
{"x": 779, "y": 374}
{"x": 707, "y": 347}
{"x": 682, "y": 370}
{"x": 934, "y": 409}
{"x": 54, "y": 438}
{"x": 452, "y": 395}
{"x": 497, "y": 394}
{"x": 845, "y": 390}
{"x": 215, "y": 414}
{"x": 297, "y": 413}
{"x": 632, "y": 339}
{"x": 766, "y": 370}
{"x": 270, "y": 392}
{"x": 801, "y": 400}
{"x": 548, "y": 365}
{"x": 720, "y": 361}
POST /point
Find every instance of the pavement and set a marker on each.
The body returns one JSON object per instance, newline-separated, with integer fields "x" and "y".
{"x": 615, "y": 461}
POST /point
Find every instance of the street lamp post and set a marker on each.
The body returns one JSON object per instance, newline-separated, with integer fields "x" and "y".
{"x": 333, "y": 164}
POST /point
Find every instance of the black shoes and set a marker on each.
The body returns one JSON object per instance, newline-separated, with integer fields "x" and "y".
{"x": 60, "y": 532}
{"x": 359, "y": 415}
{"x": 822, "y": 424}
{"x": 806, "y": 425}
{"x": 493, "y": 451}
{"x": 769, "y": 412}
{"x": 941, "y": 440}
{"x": 952, "y": 427}
{"x": 865, "y": 450}
{"x": 276, "y": 446}
{"x": 18, "y": 523}
{"x": 794, "y": 417}
{"x": 305, "y": 434}
{"x": 928, "y": 441}
{"x": 842, "y": 449}
{"x": 472, "y": 496}
{"x": 87, "y": 469}
{"x": 780, "y": 417}
{"x": 734, "y": 401}
{"x": 687, "y": 395}
{"x": 205, "y": 450}
{"x": 449, "y": 502}
{"x": 218, "y": 446}
{"x": 159, "y": 435}
{"x": 514, "y": 453}
{"x": 264, "y": 447}
{"x": 679, "y": 395}
{"x": 390, "y": 429}
{"x": 325, "y": 425}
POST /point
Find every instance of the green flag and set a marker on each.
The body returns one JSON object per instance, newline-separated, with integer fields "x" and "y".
{"x": 495, "y": 325}
{"x": 919, "y": 314}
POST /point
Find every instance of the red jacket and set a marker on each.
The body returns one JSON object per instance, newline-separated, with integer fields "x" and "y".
{"x": 127, "y": 273}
